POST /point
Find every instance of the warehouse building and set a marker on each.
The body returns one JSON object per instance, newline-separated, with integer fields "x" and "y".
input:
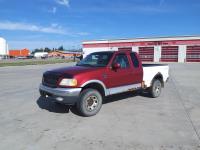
{"x": 19, "y": 53}
{"x": 3, "y": 48}
{"x": 162, "y": 49}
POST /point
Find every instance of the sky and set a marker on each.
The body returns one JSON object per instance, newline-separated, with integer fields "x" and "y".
{"x": 51, "y": 23}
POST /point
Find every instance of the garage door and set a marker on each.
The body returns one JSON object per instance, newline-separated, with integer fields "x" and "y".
{"x": 146, "y": 53}
{"x": 169, "y": 54}
{"x": 193, "y": 54}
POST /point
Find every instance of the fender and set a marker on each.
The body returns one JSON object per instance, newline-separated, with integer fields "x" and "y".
{"x": 99, "y": 82}
{"x": 158, "y": 75}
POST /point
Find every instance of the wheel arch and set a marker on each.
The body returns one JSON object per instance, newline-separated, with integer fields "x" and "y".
{"x": 158, "y": 76}
{"x": 96, "y": 84}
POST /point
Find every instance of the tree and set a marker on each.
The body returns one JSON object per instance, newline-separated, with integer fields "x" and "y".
{"x": 61, "y": 48}
{"x": 36, "y": 50}
{"x": 46, "y": 49}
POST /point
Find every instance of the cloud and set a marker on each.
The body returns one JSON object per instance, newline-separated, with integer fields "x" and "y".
{"x": 53, "y": 10}
{"x": 54, "y": 25}
{"x": 53, "y": 28}
{"x": 63, "y": 2}
{"x": 120, "y": 7}
{"x": 30, "y": 27}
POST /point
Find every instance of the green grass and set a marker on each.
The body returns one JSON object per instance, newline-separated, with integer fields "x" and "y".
{"x": 32, "y": 62}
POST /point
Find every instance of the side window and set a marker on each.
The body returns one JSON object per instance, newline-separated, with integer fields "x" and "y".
{"x": 122, "y": 60}
{"x": 134, "y": 60}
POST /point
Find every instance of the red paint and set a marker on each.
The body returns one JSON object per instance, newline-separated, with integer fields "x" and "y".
{"x": 122, "y": 76}
{"x": 146, "y": 54}
{"x": 169, "y": 54}
{"x": 142, "y": 43}
{"x": 169, "y": 60}
{"x": 192, "y": 60}
{"x": 114, "y": 78}
{"x": 193, "y": 54}
{"x": 125, "y": 49}
{"x": 122, "y": 44}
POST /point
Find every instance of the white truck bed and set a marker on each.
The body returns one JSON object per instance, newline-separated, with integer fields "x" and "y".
{"x": 151, "y": 70}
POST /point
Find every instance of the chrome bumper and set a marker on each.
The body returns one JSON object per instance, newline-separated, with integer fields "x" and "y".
{"x": 62, "y": 95}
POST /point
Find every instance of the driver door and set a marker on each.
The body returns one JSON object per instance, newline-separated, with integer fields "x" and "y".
{"x": 122, "y": 76}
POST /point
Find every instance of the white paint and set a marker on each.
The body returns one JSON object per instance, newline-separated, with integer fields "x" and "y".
{"x": 7, "y": 52}
{"x": 113, "y": 48}
{"x": 3, "y": 47}
{"x": 182, "y": 53}
{"x": 135, "y": 49}
{"x": 143, "y": 39}
{"x": 122, "y": 89}
{"x": 150, "y": 72}
{"x": 157, "y": 53}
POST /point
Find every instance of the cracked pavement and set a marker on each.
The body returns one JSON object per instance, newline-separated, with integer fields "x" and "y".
{"x": 126, "y": 121}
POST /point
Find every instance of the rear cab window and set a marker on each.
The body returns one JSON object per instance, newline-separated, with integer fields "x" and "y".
{"x": 122, "y": 59}
{"x": 134, "y": 60}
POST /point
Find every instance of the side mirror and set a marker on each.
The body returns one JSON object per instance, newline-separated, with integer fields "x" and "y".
{"x": 116, "y": 66}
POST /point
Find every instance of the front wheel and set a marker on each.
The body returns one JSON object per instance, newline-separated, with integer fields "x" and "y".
{"x": 90, "y": 102}
{"x": 155, "y": 89}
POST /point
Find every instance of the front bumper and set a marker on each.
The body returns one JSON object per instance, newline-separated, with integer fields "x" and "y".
{"x": 62, "y": 95}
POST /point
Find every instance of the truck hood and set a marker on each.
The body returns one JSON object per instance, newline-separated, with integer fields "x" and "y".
{"x": 72, "y": 71}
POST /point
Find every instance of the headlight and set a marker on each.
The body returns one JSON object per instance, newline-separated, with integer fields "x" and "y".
{"x": 68, "y": 82}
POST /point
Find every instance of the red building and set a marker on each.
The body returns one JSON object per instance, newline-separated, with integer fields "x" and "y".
{"x": 160, "y": 49}
{"x": 16, "y": 53}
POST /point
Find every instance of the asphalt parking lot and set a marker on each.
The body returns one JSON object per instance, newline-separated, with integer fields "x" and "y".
{"x": 126, "y": 121}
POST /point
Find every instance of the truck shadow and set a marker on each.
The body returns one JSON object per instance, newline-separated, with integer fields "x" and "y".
{"x": 122, "y": 96}
{"x": 47, "y": 104}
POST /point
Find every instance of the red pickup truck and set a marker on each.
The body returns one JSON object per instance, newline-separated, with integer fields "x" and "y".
{"x": 101, "y": 74}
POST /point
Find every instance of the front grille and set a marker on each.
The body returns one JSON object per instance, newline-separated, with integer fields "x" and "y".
{"x": 50, "y": 79}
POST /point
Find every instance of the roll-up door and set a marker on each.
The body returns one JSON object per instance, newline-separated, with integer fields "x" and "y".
{"x": 193, "y": 54}
{"x": 146, "y": 53}
{"x": 169, "y": 54}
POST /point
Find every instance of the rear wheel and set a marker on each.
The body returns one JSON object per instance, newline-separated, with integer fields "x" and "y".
{"x": 90, "y": 102}
{"x": 155, "y": 89}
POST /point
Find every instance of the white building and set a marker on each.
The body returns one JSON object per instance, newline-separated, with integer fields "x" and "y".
{"x": 3, "y": 47}
{"x": 160, "y": 49}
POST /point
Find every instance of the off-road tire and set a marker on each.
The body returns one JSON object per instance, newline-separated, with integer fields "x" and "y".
{"x": 156, "y": 88}
{"x": 89, "y": 103}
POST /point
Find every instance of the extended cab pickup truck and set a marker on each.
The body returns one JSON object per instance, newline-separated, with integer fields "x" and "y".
{"x": 101, "y": 74}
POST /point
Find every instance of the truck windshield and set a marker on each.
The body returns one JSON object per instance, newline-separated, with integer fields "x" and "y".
{"x": 98, "y": 59}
